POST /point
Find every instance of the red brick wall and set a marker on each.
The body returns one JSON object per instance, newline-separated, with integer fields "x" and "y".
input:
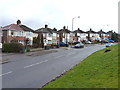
{"x": 5, "y": 35}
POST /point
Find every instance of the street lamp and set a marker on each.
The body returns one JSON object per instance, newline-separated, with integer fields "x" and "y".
{"x": 72, "y": 27}
{"x": 73, "y": 21}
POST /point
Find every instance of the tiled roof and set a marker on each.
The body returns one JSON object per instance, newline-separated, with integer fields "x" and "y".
{"x": 109, "y": 32}
{"x": 91, "y": 31}
{"x": 45, "y": 30}
{"x": 12, "y": 27}
{"x": 101, "y": 32}
{"x": 79, "y": 31}
{"x": 25, "y": 28}
{"x": 64, "y": 30}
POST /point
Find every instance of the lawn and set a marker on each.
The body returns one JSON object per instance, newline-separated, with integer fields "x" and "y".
{"x": 99, "y": 70}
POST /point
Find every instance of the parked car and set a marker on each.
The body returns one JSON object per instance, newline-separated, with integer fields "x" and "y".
{"x": 0, "y": 45}
{"x": 104, "y": 41}
{"x": 88, "y": 42}
{"x": 76, "y": 42}
{"x": 64, "y": 44}
{"x": 112, "y": 41}
{"x": 79, "y": 45}
{"x": 109, "y": 44}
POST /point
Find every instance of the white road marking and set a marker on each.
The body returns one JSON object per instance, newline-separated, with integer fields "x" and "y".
{"x": 6, "y": 73}
{"x": 58, "y": 57}
{"x": 35, "y": 64}
{"x": 69, "y": 54}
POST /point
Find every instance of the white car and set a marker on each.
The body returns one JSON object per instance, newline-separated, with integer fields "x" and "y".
{"x": 109, "y": 44}
{"x": 88, "y": 42}
{"x": 0, "y": 45}
{"x": 79, "y": 45}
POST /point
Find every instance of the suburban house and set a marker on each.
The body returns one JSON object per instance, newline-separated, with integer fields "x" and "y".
{"x": 49, "y": 35}
{"x": 29, "y": 34}
{"x": 64, "y": 35}
{"x": 109, "y": 34}
{"x": 103, "y": 35}
{"x": 79, "y": 35}
{"x": 17, "y": 33}
{"x": 92, "y": 35}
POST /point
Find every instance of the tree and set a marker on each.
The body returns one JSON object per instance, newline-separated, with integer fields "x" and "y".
{"x": 36, "y": 41}
{"x": 114, "y": 37}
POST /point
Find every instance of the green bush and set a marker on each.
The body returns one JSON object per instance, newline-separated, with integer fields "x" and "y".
{"x": 12, "y": 47}
{"x": 27, "y": 49}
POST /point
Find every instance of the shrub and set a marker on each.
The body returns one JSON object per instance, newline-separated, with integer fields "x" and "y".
{"x": 12, "y": 47}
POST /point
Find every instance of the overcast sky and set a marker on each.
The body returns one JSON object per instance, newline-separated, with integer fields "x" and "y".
{"x": 95, "y": 14}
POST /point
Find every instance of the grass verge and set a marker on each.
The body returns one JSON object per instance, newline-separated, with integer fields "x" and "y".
{"x": 99, "y": 70}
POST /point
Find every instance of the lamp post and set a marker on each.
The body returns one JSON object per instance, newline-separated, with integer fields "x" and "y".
{"x": 72, "y": 26}
{"x": 73, "y": 21}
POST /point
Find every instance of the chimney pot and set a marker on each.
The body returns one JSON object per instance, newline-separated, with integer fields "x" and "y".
{"x": 46, "y": 26}
{"x": 18, "y": 22}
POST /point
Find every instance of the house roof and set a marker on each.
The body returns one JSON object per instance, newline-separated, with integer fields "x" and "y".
{"x": 91, "y": 31}
{"x": 79, "y": 31}
{"x": 64, "y": 30}
{"x": 25, "y": 28}
{"x": 46, "y": 30}
{"x": 110, "y": 32}
{"x": 101, "y": 32}
{"x": 12, "y": 27}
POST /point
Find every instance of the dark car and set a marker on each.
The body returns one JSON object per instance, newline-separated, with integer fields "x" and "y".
{"x": 104, "y": 41}
{"x": 79, "y": 45}
{"x": 64, "y": 44}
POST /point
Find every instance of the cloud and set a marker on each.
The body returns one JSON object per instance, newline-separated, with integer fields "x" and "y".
{"x": 57, "y": 13}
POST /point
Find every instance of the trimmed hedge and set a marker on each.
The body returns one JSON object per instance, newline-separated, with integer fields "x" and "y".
{"x": 12, "y": 47}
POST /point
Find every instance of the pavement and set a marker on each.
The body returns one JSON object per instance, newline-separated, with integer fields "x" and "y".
{"x": 7, "y": 57}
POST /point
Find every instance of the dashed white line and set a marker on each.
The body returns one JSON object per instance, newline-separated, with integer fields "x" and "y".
{"x": 69, "y": 54}
{"x": 35, "y": 64}
{"x": 6, "y": 73}
{"x": 58, "y": 57}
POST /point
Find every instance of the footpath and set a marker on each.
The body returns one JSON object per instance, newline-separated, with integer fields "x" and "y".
{"x": 7, "y": 57}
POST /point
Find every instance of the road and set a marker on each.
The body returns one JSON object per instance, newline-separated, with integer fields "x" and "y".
{"x": 34, "y": 71}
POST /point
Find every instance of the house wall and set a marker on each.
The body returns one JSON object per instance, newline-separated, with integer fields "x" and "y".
{"x": 5, "y": 36}
{"x": 65, "y": 37}
{"x": 29, "y": 35}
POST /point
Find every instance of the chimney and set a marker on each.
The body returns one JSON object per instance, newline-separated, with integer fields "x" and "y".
{"x": 18, "y": 22}
{"x": 46, "y": 26}
{"x": 64, "y": 27}
{"x": 78, "y": 28}
{"x": 90, "y": 29}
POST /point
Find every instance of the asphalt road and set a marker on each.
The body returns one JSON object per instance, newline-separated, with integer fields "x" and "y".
{"x": 34, "y": 71}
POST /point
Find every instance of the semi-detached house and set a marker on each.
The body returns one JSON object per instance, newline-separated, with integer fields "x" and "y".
{"x": 49, "y": 35}
{"x": 64, "y": 35}
{"x": 18, "y": 33}
{"x": 92, "y": 35}
{"x": 79, "y": 35}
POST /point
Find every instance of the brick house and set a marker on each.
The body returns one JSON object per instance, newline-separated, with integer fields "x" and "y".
{"x": 64, "y": 35}
{"x": 109, "y": 34}
{"x": 92, "y": 35}
{"x": 79, "y": 35}
{"x": 17, "y": 33}
{"x": 103, "y": 35}
{"x": 49, "y": 35}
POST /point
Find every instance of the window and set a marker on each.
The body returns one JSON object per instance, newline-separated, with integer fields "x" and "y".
{"x": 12, "y": 33}
{"x": 50, "y": 35}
